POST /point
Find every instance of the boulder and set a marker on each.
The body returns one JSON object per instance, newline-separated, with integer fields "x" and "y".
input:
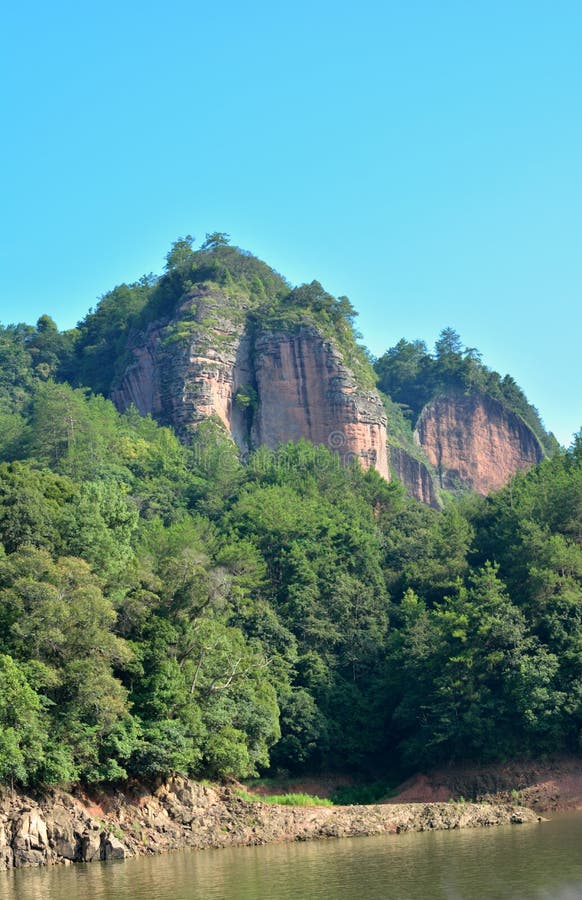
{"x": 64, "y": 840}
{"x": 112, "y": 847}
{"x": 90, "y": 844}
{"x": 6, "y": 856}
{"x": 30, "y": 842}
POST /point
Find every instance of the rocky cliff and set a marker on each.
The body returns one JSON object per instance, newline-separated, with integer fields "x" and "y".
{"x": 475, "y": 442}
{"x": 265, "y": 387}
{"x": 415, "y": 475}
{"x": 306, "y": 391}
{"x": 189, "y": 368}
{"x": 228, "y": 339}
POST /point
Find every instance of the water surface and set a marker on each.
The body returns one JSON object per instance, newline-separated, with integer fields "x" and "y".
{"x": 520, "y": 861}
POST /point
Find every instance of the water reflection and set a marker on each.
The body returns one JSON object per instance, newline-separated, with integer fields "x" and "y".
{"x": 533, "y": 861}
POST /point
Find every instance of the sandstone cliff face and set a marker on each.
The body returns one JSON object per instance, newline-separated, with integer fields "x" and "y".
{"x": 194, "y": 367}
{"x": 269, "y": 387}
{"x": 474, "y": 442}
{"x": 141, "y": 382}
{"x": 306, "y": 391}
{"x": 189, "y": 369}
{"x": 415, "y": 476}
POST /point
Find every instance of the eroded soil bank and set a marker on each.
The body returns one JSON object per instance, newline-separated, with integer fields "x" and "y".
{"x": 550, "y": 785}
{"x": 63, "y": 828}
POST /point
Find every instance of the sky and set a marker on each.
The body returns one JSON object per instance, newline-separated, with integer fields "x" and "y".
{"x": 423, "y": 158}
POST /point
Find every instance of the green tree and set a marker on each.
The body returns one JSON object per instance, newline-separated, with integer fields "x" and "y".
{"x": 56, "y": 620}
{"x": 475, "y": 683}
{"x": 31, "y": 506}
{"x": 23, "y": 735}
{"x": 215, "y": 239}
{"x": 181, "y": 254}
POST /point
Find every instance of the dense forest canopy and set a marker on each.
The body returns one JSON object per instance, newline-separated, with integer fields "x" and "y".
{"x": 165, "y": 608}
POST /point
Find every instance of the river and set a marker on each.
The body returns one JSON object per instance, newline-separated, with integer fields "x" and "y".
{"x": 526, "y": 861}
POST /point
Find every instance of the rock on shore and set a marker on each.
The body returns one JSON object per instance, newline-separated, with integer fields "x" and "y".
{"x": 57, "y": 827}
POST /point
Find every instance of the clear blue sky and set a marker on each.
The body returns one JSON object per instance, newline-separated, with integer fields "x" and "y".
{"x": 422, "y": 157}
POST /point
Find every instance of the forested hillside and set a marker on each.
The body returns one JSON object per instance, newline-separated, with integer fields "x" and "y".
{"x": 165, "y": 607}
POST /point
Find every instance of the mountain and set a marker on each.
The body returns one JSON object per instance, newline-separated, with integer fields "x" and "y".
{"x": 222, "y": 336}
{"x": 222, "y": 596}
{"x": 265, "y": 383}
{"x": 456, "y": 425}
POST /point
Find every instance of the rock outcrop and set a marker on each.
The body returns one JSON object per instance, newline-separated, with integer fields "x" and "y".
{"x": 216, "y": 357}
{"x": 190, "y": 368}
{"x": 474, "y": 442}
{"x": 61, "y": 828}
{"x": 306, "y": 391}
{"x": 265, "y": 388}
{"x": 54, "y": 828}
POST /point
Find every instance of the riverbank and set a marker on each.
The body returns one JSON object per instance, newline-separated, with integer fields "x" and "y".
{"x": 57, "y": 827}
{"x": 550, "y": 785}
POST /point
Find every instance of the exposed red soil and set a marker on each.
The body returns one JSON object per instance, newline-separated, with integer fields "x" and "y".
{"x": 548, "y": 786}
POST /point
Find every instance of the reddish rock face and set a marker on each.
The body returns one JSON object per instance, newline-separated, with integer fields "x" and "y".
{"x": 306, "y": 391}
{"x": 267, "y": 388}
{"x": 415, "y": 476}
{"x": 303, "y": 389}
{"x": 183, "y": 378}
{"x": 475, "y": 442}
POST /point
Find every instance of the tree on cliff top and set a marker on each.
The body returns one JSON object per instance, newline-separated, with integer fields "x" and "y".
{"x": 215, "y": 239}
{"x": 180, "y": 253}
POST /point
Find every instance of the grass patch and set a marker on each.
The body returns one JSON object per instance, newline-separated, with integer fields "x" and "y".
{"x": 285, "y": 799}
